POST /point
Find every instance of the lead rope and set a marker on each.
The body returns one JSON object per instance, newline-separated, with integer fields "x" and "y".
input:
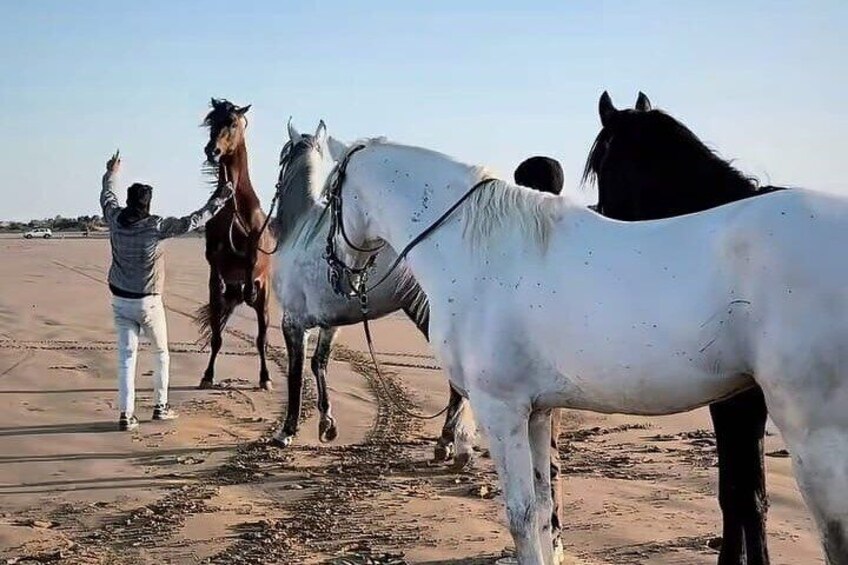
{"x": 381, "y": 379}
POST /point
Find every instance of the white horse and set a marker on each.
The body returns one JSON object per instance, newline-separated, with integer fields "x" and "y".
{"x": 308, "y": 301}
{"x": 584, "y": 312}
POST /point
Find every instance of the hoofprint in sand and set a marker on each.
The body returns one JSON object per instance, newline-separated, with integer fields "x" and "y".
{"x": 204, "y": 488}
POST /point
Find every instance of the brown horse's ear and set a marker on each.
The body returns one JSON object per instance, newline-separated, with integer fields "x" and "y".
{"x": 642, "y": 103}
{"x": 606, "y": 109}
{"x": 243, "y": 110}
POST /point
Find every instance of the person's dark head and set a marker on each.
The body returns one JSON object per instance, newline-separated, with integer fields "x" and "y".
{"x": 540, "y": 173}
{"x": 138, "y": 204}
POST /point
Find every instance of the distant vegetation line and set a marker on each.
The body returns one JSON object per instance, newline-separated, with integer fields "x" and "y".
{"x": 57, "y": 224}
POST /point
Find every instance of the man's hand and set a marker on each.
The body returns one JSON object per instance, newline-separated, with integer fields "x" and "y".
{"x": 227, "y": 191}
{"x": 113, "y": 165}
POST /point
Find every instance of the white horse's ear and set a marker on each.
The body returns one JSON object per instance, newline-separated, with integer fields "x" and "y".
{"x": 294, "y": 135}
{"x": 337, "y": 148}
{"x": 321, "y": 131}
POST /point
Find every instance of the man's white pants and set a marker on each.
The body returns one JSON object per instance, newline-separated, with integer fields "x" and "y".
{"x": 131, "y": 316}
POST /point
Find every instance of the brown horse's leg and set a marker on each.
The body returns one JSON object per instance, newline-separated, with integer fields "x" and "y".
{"x": 293, "y": 334}
{"x": 327, "y": 425}
{"x": 253, "y": 276}
{"x": 739, "y": 424}
{"x": 213, "y": 321}
{"x": 260, "y": 306}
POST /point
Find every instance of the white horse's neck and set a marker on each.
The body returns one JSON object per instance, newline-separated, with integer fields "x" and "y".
{"x": 299, "y": 205}
{"x": 404, "y": 190}
{"x": 408, "y": 187}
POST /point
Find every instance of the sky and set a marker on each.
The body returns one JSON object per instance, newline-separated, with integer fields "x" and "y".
{"x": 488, "y": 82}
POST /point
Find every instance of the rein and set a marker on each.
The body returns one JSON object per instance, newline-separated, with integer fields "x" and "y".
{"x": 339, "y": 270}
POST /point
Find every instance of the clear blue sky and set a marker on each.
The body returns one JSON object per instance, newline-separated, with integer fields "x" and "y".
{"x": 486, "y": 81}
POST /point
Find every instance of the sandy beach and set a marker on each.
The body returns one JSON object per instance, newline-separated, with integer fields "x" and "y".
{"x": 208, "y": 488}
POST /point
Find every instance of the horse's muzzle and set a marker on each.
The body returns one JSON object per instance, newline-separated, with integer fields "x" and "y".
{"x": 212, "y": 154}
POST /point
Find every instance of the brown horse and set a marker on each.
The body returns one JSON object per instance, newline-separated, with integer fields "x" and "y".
{"x": 236, "y": 239}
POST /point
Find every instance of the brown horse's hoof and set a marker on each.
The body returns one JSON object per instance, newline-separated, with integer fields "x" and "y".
{"x": 206, "y": 384}
{"x": 266, "y": 385}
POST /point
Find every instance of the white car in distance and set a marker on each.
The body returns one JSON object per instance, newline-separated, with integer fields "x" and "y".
{"x": 43, "y": 233}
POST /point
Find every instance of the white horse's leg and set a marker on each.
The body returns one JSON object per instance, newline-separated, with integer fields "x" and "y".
{"x": 540, "y": 448}
{"x": 506, "y": 427}
{"x": 820, "y": 463}
{"x": 806, "y": 391}
{"x": 327, "y": 430}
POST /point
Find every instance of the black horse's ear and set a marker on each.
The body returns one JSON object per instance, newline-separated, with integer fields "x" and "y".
{"x": 214, "y": 102}
{"x": 606, "y": 109}
{"x": 642, "y": 103}
{"x": 243, "y": 110}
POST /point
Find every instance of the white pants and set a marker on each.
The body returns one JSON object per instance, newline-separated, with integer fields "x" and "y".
{"x": 131, "y": 316}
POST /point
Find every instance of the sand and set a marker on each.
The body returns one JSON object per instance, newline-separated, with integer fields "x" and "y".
{"x": 207, "y": 488}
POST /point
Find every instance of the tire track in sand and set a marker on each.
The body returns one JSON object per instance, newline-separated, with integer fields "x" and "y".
{"x": 339, "y": 513}
{"x": 120, "y": 537}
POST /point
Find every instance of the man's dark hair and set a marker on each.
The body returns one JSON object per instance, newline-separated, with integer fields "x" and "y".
{"x": 138, "y": 204}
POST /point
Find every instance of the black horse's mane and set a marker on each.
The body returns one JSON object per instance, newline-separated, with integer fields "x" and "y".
{"x": 683, "y": 158}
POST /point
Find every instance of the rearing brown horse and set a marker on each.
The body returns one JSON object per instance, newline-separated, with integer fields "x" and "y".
{"x": 239, "y": 270}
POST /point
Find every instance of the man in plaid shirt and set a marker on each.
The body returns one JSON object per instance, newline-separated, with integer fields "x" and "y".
{"x": 137, "y": 278}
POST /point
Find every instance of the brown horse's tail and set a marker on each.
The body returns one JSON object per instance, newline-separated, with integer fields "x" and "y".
{"x": 210, "y": 322}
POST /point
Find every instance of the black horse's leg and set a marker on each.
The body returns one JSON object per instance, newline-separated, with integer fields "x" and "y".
{"x": 327, "y": 430}
{"x": 260, "y": 305}
{"x": 293, "y": 334}
{"x": 739, "y": 424}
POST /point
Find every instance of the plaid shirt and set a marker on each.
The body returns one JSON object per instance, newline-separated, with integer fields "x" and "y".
{"x": 138, "y": 267}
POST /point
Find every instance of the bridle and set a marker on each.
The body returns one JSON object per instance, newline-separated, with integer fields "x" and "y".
{"x": 357, "y": 277}
{"x": 340, "y": 271}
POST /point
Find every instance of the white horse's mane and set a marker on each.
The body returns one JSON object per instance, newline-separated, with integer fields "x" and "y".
{"x": 496, "y": 207}
{"x": 500, "y": 206}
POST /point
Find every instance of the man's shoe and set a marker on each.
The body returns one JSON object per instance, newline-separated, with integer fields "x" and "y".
{"x": 127, "y": 424}
{"x": 164, "y": 412}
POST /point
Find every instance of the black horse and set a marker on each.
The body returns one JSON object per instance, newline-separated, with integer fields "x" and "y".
{"x": 646, "y": 166}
